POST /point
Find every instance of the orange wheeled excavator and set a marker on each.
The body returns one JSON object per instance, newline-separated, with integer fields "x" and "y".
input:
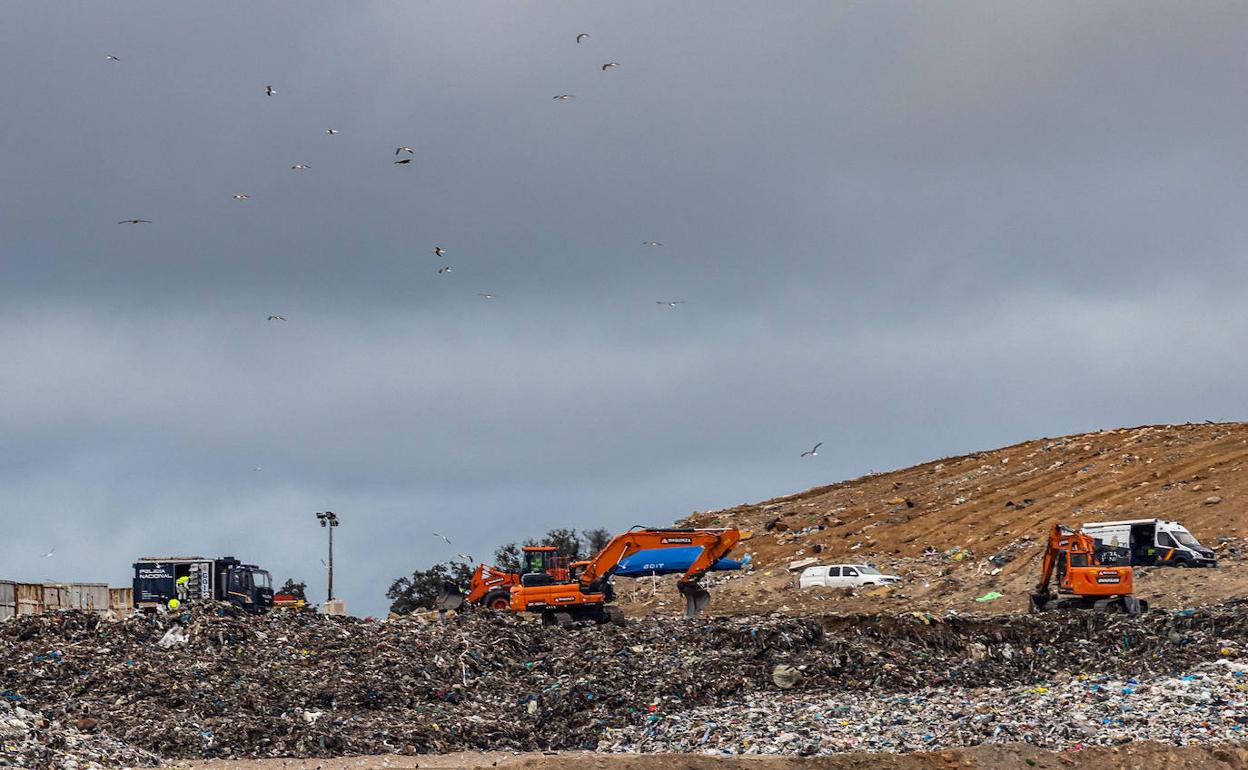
{"x": 1083, "y": 582}
{"x": 491, "y": 585}
{"x": 585, "y": 595}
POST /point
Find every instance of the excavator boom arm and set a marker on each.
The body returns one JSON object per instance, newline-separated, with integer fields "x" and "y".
{"x": 716, "y": 543}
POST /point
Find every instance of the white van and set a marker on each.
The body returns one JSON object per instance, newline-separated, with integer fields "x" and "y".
{"x": 844, "y": 576}
{"x": 1149, "y": 542}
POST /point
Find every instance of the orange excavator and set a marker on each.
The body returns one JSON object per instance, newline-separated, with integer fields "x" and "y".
{"x": 491, "y": 586}
{"x": 1083, "y": 582}
{"x": 587, "y": 591}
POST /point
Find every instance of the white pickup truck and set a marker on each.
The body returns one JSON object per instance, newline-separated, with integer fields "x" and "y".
{"x": 844, "y": 576}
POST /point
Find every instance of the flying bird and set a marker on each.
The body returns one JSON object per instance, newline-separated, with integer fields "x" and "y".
{"x": 277, "y": 318}
{"x": 670, "y": 302}
{"x": 48, "y": 555}
{"x": 135, "y": 222}
{"x": 241, "y": 196}
{"x": 565, "y": 97}
{"x": 269, "y": 90}
{"x": 403, "y": 162}
{"x": 651, "y": 243}
{"x": 299, "y": 167}
{"x": 582, "y": 36}
{"x": 610, "y": 65}
{"x": 257, "y": 468}
{"x": 486, "y": 296}
{"x": 442, "y": 270}
{"x": 813, "y": 451}
{"x": 438, "y": 250}
{"x": 111, "y": 57}
{"x": 331, "y": 131}
{"x": 465, "y": 557}
{"x": 405, "y": 149}
{"x": 444, "y": 537}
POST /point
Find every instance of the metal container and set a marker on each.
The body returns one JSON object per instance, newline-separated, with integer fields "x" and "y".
{"x": 8, "y": 599}
{"x": 29, "y": 598}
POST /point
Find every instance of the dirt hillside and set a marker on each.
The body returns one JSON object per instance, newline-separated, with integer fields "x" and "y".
{"x": 993, "y": 503}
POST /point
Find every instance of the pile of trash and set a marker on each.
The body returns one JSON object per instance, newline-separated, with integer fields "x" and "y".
{"x": 28, "y": 739}
{"x": 215, "y": 683}
{"x": 1206, "y": 706}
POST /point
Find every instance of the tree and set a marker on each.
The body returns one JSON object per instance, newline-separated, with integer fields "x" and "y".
{"x": 420, "y": 591}
{"x": 595, "y": 541}
{"x": 565, "y": 541}
{"x": 297, "y": 590}
{"x": 508, "y": 557}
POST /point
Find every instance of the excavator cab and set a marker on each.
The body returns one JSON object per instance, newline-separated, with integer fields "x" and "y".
{"x": 539, "y": 565}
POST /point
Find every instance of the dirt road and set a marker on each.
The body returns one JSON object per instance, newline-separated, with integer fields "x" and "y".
{"x": 1019, "y": 757}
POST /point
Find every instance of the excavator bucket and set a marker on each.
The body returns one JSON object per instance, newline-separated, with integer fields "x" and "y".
{"x": 450, "y": 597}
{"x": 696, "y": 598}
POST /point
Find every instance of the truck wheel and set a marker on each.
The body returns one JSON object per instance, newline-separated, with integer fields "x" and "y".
{"x": 499, "y": 599}
{"x": 1182, "y": 564}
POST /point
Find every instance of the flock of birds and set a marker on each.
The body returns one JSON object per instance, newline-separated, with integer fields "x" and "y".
{"x": 269, "y": 90}
{"x": 438, "y": 251}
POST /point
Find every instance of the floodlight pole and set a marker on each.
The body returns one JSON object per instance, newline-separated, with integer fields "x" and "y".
{"x": 329, "y": 520}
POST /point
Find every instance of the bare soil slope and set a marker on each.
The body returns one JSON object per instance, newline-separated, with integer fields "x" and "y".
{"x": 1002, "y": 501}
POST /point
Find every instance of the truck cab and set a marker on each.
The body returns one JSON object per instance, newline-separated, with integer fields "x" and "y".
{"x": 1149, "y": 542}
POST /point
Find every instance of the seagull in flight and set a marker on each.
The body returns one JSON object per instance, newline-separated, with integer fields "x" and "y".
{"x": 405, "y": 149}
{"x": 485, "y": 296}
{"x": 299, "y": 167}
{"x": 442, "y": 270}
{"x": 257, "y": 469}
{"x": 241, "y": 196}
{"x": 403, "y": 162}
{"x": 813, "y": 451}
{"x": 670, "y": 302}
{"x": 465, "y": 557}
{"x": 582, "y": 36}
{"x": 444, "y": 537}
{"x": 610, "y": 65}
{"x": 48, "y": 555}
{"x": 439, "y": 251}
{"x": 651, "y": 243}
{"x": 135, "y": 222}
{"x": 565, "y": 97}
{"x": 277, "y": 318}
{"x": 269, "y": 90}
{"x": 331, "y": 131}
{"x": 112, "y": 57}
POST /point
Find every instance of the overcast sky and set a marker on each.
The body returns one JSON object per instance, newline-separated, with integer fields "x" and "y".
{"x": 907, "y": 230}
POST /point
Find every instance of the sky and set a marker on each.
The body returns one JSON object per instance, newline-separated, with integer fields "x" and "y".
{"x": 906, "y": 229}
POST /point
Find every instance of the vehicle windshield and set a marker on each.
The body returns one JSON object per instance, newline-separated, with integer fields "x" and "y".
{"x": 1186, "y": 538}
{"x": 868, "y": 570}
{"x": 261, "y": 579}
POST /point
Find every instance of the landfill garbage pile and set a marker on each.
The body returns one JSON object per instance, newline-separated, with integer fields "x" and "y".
{"x": 1206, "y": 706}
{"x": 28, "y": 739}
{"x": 214, "y": 683}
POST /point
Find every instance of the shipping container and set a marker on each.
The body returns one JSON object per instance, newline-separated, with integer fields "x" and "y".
{"x": 121, "y": 601}
{"x": 29, "y": 598}
{"x": 39, "y": 598}
{"x": 8, "y": 599}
